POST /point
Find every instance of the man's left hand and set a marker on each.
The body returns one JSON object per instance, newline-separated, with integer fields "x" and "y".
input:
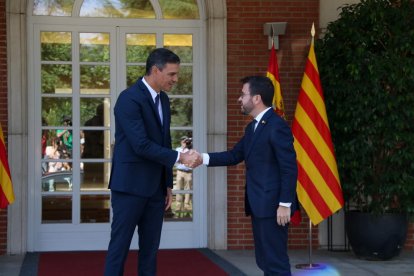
{"x": 168, "y": 199}
{"x": 283, "y": 215}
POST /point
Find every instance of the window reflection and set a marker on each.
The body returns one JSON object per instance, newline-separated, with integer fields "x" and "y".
{"x": 182, "y": 205}
{"x": 95, "y": 144}
{"x": 181, "y": 44}
{"x": 184, "y": 85}
{"x": 56, "y": 78}
{"x": 95, "y": 176}
{"x": 181, "y": 112}
{"x": 184, "y": 176}
{"x": 139, "y": 46}
{"x": 53, "y": 7}
{"x": 133, "y": 73}
{"x": 177, "y": 214}
{"x": 95, "y": 112}
{"x": 57, "y": 209}
{"x": 55, "y": 110}
{"x": 56, "y": 46}
{"x": 176, "y": 136}
{"x": 95, "y": 79}
{"x": 95, "y": 208}
{"x": 117, "y": 8}
{"x": 94, "y": 47}
{"x": 57, "y": 176}
{"x": 179, "y": 9}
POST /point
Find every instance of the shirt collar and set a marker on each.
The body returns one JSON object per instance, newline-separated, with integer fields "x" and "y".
{"x": 152, "y": 91}
{"x": 260, "y": 115}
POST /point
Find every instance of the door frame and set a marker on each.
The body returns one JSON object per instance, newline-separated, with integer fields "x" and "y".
{"x": 181, "y": 234}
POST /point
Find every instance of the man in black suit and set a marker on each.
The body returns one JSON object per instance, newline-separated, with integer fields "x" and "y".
{"x": 271, "y": 173}
{"x": 141, "y": 175}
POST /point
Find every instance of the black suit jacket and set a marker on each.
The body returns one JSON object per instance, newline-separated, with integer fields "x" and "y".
{"x": 270, "y": 160}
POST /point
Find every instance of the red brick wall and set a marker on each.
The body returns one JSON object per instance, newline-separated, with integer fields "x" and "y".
{"x": 3, "y": 110}
{"x": 248, "y": 54}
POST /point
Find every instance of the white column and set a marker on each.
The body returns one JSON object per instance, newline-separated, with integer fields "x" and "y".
{"x": 17, "y": 126}
{"x": 217, "y": 120}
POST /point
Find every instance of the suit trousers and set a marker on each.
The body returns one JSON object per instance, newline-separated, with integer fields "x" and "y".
{"x": 270, "y": 240}
{"x": 130, "y": 211}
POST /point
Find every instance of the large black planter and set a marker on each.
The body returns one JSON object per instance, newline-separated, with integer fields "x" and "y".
{"x": 376, "y": 237}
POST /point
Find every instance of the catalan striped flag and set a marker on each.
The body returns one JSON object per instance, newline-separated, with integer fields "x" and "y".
{"x": 278, "y": 107}
{"x": 319, "y": 190}
{"x": 6, "y": 187}
{"x": 273, "y": 75}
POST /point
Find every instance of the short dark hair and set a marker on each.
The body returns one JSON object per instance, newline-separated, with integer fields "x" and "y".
{"x": 160, "y": 57}
{"x": 262, "y": 86}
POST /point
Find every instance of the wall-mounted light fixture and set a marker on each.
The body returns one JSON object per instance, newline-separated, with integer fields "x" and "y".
{"x": 273, "y": 30}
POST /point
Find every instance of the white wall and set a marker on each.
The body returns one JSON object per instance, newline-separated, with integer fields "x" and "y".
{"x": 330, "y": 9}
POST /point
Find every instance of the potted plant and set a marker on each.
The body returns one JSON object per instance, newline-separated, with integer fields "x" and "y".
{"x": 366, "y": 64}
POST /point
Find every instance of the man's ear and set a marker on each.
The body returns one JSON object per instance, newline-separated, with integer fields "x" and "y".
{"x": 153, "y": 69}
{"x": 257, "y": 99}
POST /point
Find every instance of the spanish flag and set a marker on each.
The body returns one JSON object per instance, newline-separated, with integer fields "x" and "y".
{"x": 6, "y": 187}
{"x": 318, "y": 188}
{"x": 273, "y": 75}
{"x": 278, "y": 107}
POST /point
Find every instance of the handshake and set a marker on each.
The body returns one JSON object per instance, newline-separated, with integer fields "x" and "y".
{"x": 191, "y": 158}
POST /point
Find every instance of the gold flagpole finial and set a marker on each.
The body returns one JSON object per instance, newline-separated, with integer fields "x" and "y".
{"x": 313, "y": 32}
{"x": 313, "y": 29}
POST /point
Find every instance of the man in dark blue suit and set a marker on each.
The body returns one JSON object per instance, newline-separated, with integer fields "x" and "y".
{"x": 141, "y": 175}
{"x": 271, "y": 173}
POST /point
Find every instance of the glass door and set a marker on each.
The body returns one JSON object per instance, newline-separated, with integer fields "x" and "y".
{"x": 75, "y": 87}
{"x": 182, "y": 222}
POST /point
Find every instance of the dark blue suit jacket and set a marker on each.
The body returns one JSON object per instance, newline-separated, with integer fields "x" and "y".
{"x": 270, "y": 160}
{"x": 142, "y": 158}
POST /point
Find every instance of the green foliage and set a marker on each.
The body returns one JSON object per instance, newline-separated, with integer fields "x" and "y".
{"x": 56, "y": 76}
{"x": 54, "y": 110}
{"x": 138, "y": 53}
{"x": 366, "y": 64}
{"x": 184, "y": 9}
{"x": 94, "y": 53}
{"x": 56, "y": 52}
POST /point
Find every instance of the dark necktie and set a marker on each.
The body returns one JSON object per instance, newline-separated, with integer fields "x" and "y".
{"x": 157, "y": 104}
{"x": 254, "y": 122}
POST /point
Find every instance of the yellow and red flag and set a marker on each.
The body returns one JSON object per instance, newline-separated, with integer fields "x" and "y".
{"x": 278, "y": 107}
{"x": 273, "y": 74}
{"x": 318, "y": 188}
{"x": 6, "y": 187}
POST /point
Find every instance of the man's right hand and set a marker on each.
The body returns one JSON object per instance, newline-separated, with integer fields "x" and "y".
{"x": 191, "y": 159}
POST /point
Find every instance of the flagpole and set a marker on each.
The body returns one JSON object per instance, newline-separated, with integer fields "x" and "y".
{"x": 310, "y": 265}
